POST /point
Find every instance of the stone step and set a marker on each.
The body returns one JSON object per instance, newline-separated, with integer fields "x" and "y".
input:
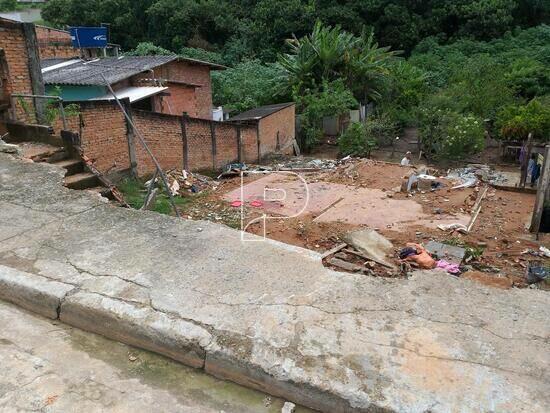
{"x": 104, "y": 192}
{"x": 57, "y": 156}
{"x": 81, "y": 180}
{"x": 73, "y": 166}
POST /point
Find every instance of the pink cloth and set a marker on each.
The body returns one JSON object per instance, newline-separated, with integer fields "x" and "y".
{"x": 448, "y": 266}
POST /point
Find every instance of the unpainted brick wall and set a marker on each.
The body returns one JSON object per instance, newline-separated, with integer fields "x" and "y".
{"x": 12, "y": 41}
{"x": 186, "y": 72}
{"x": 281, "y": 124}
{"x": 103, "y": 136}
{"x": 54, "y": 43}
{"x": 163, "y": 136}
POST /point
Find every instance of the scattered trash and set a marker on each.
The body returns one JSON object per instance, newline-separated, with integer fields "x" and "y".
{"x": 183, "y": 181}
{"x": 288, "y": 408}
{"x": 257, "y": 204}
{"x": 471, "y": 174}
{"x": 421, "y": 258}
{"x": 545, "y": 251}
{"x": 236, "y": 204}
{"x": 455, "y": 227}
{"x": 450, "y": 267}
{"x": 232, "y": 170}
{"x": 536, "y": 272}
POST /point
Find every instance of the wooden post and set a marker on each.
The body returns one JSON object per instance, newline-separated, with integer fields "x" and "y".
{"x": 542, "y": 192}
{"x": 131, "y": 139}
{"x": 214, "y": 144}
{"x": 525, "y": 163}
{"x": 185, "y": 145}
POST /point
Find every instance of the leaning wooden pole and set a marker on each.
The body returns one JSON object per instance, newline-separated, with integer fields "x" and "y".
{"x": 542, "y": 192}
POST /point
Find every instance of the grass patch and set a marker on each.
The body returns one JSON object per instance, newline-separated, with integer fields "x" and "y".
{"x": 134, "y": 192}
{"x": 473, "y": 252}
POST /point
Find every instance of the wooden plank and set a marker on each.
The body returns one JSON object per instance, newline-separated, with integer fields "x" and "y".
{"x": 525, "y": 163}
{"x": 367, "y": 258}
{"x": 542, "y": 192}
{"x": 334, "y": 250}
{"x": 185, "y": 145}
{"x": 476, "y": 209}
{"x": 348, "y": 266}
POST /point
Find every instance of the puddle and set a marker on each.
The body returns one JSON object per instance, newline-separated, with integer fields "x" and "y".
{"x": 182, "y": 382}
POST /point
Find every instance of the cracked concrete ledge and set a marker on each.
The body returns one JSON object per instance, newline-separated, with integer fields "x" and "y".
{"x": 266, "y": 315}
{"x": 32, "y": 292}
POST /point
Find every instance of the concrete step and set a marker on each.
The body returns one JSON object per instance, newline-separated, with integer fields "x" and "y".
{"x": 73, "y": 166}
{"x": 104, "y": 192}
{"x": 58, "y": 156}
{"x": 81, "y": 180}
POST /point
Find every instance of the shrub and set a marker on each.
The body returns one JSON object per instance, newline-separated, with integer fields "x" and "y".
{"x": 357, "y": 140}
{"x": 451, "y": 135}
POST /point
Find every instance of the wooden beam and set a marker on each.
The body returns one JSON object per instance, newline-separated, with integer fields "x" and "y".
{"x": 525, "y": 163}
{"x": 542, "y": 192}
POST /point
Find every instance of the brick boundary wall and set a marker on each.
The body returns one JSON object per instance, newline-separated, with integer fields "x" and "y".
{"x": 178, "y": 142}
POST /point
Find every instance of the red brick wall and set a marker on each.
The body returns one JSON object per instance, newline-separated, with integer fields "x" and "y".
{"x": 182, "y": 99}
{"x": 12, "y": 40}
{"x": 103, "y": 136}
{"x": 281, "y": 123}
{"x": 102, "y": 129}
{"x": 54, "y": 43}
{"x": 188, "y": 73}
{"x": 162, "y": 133}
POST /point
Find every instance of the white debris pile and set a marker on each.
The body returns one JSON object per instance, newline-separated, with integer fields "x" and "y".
{"x": 473, "y": 173}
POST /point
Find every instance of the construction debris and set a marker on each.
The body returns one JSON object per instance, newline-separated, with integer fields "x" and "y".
{"x": 471, "y": 174}
{"x": 372, "y": 244}
{"x": 187, "y": 182}
{"x": 447, "y": 252}
{"x": 288, "y": 408}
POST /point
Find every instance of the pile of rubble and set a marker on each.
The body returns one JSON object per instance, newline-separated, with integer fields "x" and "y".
{"x": 186, "y": 182}
{"x": 471, "y": 174}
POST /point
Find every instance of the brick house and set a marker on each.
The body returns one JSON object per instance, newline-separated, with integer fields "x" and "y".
{"x": 275, "y": 124}
{"x": 164, "y": 84}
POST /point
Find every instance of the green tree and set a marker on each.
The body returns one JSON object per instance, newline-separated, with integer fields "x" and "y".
{"x": 247, "y": 85}
{"x": 517, "y": 121}
{"x": 8, "y": 5}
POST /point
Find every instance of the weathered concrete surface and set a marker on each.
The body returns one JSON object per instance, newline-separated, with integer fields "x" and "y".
{"x": 272, "y": 317}
{"x": 50, "y": 367}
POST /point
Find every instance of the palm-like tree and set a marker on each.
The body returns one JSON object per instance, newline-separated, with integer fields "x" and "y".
{"x": 329, "y": 54}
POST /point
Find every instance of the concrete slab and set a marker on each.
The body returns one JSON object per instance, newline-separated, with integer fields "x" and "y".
{"x": 281, "y": 322}
{"x": 332, "y": 202}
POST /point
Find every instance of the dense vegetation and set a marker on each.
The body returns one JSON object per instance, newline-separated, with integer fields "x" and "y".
{"x": 456, "y": 69}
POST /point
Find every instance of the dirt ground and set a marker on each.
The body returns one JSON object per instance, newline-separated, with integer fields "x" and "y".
{"x": 499, "y": 236}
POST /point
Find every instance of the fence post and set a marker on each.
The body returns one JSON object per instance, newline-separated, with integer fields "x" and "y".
{"x": 214, "y": 144}
{"x": 542, "y": 192}
{"x": 525, "y": 162}
{"x": 130, "y": 138}
{"x": 185, "y": 146}
{"x": 35, "y": 70}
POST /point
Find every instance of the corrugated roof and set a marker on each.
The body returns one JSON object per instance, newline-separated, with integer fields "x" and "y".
{"x": 114, "y": 69}
{"x": 52, "y": 61}
{"x": 260, "y": 112}
{"x": 134, "y": 93}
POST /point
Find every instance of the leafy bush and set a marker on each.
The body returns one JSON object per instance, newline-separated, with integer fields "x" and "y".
{"x": 149, "y": 49}
{"x": 357, "y": 140}
{"x": 332, "y": 99}
{"x": 451, "y": 135}
{"x": 517, "y": 121}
